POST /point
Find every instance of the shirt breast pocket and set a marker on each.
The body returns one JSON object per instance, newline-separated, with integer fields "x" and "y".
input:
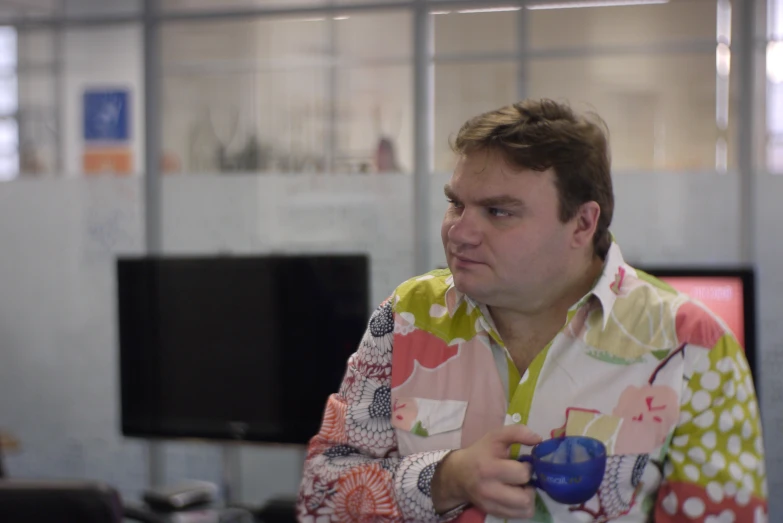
{"x": 424, "y": 424}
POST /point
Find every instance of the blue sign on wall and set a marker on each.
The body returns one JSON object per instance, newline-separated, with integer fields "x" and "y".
{"x": 106, "y": 116}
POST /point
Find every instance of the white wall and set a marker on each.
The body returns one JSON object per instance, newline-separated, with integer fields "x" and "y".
{"x": 58, "y": 373}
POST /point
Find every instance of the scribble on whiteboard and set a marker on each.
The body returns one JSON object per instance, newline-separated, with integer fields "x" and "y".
{"x": 108, "y": 232}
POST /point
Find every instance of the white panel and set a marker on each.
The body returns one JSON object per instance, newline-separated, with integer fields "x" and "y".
{"x": 677, "y": 218}
{"x": 58, "y": 378}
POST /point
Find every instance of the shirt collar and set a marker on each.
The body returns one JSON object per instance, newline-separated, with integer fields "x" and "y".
{"x": 454, "y": 298}
{"x": 606, "y": 288}
{"x": 608, "y": 285}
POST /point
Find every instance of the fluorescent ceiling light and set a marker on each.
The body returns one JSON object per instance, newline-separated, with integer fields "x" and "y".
{"x": 489, "y": 10}
{"x": 592, "y": 3}
{"x": 313, "y": 19}
{"x": 439, "y": 12}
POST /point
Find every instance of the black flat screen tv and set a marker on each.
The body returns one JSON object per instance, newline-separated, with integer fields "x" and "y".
{"x": 236, "y": 347}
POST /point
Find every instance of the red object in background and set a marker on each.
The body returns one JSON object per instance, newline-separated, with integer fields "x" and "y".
{"x": 723, "y": 295}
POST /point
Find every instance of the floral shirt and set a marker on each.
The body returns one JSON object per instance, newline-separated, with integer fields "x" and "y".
{"x": 649, "y": 371}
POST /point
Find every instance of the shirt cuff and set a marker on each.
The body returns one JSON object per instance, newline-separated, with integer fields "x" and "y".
{"x": 413, "y": 487}
{"x": 453, "y": 513}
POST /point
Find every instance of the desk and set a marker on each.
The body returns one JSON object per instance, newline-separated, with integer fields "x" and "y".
{"x": 208, "y": 514}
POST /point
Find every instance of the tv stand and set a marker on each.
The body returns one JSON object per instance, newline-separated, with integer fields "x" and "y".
{"x": 156, "y": 463}
{"x": 231, "y": 475}
{"x": 278, "y": 509}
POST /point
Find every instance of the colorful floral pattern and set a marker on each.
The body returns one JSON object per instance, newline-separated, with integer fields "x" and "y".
{"x": 353, "y": 470}
{"x": 360, "y": 491}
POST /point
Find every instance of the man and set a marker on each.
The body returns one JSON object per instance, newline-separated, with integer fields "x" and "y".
{"x": 538, "y": 329}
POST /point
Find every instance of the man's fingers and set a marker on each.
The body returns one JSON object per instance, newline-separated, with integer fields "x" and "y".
{"x": 511, "y": 434}
{"x": 496, "y": 484}
{"x": 508, "y": 501}
{"x": 512, "y": 472}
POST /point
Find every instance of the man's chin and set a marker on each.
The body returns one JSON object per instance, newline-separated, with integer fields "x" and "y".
{"x": 467, "y": 284}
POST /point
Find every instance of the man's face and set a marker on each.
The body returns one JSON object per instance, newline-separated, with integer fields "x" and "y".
{"x": 504, "y": 242}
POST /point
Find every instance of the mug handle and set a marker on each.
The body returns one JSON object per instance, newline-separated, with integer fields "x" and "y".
{"x": 533, "y": 480}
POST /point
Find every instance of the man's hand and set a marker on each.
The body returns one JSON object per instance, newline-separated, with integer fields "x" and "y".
{"x": 484, "y": 476}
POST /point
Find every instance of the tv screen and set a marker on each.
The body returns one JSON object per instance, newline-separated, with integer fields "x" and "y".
{"x": 236, "y": 347}
{"x": 729, "y": 293}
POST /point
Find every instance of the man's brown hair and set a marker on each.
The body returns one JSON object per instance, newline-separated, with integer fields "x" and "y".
{"x": 544, "y": 134}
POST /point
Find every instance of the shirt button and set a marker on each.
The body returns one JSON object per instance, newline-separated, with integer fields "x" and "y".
{"x": 516, "y": 418}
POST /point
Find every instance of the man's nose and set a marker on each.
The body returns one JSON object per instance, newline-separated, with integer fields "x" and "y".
{"x": 465, "y": 230}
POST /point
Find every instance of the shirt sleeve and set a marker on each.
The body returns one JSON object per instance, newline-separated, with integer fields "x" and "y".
{"x": 714, "y": 468}
{"x": 352, "y": 470}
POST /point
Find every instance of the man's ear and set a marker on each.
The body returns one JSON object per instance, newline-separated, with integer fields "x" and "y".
{"x": 586, "y": 222}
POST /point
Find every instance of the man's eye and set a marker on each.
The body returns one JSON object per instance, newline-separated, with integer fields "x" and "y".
{"x": 499, "y": 213}
{"x": 453, "y": 203}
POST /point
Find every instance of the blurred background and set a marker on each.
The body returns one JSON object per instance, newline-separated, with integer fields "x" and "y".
{"x": 248, "y": 127}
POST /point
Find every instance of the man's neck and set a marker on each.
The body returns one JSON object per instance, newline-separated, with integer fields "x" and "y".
{"x": 532, "y": 330}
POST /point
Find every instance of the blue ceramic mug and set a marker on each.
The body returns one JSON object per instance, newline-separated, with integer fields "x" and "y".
{"x": 569, "y": 469}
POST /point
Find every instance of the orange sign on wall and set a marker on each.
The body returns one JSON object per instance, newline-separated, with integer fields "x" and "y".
{"x": 111, "y": 160}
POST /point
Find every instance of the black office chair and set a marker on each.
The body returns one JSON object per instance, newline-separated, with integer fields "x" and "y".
{"x": 65, "y": 502}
